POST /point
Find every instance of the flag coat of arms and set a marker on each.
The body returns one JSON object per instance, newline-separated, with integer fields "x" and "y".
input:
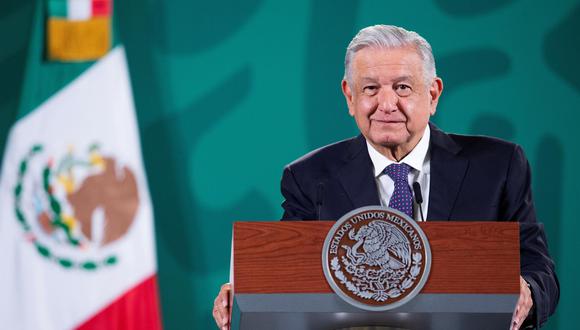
{"x": 78, "y": 30}
{"x": 77, "y": 243}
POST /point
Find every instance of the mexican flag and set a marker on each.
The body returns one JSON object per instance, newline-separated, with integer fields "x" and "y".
{"x": 77, "y": 243}
{"x": 78, "y": 30}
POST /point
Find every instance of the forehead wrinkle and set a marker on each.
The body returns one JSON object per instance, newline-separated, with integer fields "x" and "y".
{"x": 410, "y": 78}
{"x": 389, "y": 62}
{"x": 396, "y": 71}
{"x": 395, "y": 79}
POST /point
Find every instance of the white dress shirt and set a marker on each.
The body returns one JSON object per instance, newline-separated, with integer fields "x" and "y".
{"x": 420, "y": 162}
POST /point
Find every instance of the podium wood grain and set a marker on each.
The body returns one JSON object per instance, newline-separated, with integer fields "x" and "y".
{"x": 286, "y": 257}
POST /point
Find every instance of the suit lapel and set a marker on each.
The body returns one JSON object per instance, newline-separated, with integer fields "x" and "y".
{"x": 448, "y": 170}
{"x": 356, "y": 175}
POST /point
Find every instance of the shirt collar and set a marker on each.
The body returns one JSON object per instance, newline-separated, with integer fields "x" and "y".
{"x": 415, "y": 158}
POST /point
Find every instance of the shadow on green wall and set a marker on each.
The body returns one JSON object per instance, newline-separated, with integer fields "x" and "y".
{"x": 15, "y": 25}
{"x": 561, "y": 51}
{"x": 471, "y": 65}
{"x": 190, "y": 236}
{"x": 470, "y": 8}
{"x": 324, "y": 102}
{"x": 185, "y": 26}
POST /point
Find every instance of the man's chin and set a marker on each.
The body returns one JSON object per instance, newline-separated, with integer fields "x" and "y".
{"x": 389, "y": 141}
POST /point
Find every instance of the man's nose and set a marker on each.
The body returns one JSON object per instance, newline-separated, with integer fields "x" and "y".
{"x": 387, "y": 100}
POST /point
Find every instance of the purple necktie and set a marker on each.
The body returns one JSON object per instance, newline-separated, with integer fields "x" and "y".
{"x": 402, "y": 198}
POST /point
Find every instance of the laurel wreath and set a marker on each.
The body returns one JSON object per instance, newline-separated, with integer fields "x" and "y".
{"x": 55, "y": 207}
{"x": 380, "y": 296}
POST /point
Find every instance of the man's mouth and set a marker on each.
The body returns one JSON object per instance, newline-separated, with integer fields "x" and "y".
{"x": 388, "y": 121}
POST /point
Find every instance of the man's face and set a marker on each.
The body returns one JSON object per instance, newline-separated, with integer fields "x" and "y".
{"x": 390, "y": 99}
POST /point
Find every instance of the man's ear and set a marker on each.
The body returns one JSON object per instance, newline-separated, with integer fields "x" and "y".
{"x": 347, "y": 92}
{"x": 435, "y": 91}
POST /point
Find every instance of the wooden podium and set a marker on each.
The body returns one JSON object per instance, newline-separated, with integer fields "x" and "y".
{"x": 278, "y": 282}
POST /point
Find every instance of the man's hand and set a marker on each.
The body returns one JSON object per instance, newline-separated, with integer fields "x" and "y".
{"x": 523, "y": 306}
{"x": 221, "y": 307}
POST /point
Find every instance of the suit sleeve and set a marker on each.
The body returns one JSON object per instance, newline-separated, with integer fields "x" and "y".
{"x": 297, "y": 206}
{"x": 537, "y": 267}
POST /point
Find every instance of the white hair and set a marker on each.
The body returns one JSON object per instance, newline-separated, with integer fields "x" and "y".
{"x": 390, "y": 36}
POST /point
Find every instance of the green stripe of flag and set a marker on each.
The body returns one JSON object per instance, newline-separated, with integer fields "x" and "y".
{"x": 57, "y": 8}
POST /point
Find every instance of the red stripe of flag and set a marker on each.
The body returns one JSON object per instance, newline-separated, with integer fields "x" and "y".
{"x": 137, "y": 309}
{"x": 101, "y": 7}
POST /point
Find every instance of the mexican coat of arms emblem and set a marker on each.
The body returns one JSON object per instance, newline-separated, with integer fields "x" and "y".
{"x": 376, "y": 258}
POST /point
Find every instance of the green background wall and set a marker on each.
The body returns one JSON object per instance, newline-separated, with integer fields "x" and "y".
{"x": 229, "y": 92}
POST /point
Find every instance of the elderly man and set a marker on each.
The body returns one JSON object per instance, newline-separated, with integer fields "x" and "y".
{"x": 391, "y": 89}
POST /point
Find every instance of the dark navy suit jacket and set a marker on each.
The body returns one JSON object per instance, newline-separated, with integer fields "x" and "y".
{"x": 472, "y": 178}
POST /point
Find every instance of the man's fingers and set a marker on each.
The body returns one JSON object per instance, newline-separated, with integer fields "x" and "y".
{"x": 221, "y": 313}
{"x": 523, "y": 306}
{"x": 221, "y": 317}
{"x": 225, "y": 294}
{"x": 223, "y": 298}
{"x": 518, "y": 320}
{"x": 518, "y": 317}
{"x": 515, "y": 318}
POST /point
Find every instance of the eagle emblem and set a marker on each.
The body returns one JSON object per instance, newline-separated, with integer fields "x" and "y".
{"x": 376, "y": 258}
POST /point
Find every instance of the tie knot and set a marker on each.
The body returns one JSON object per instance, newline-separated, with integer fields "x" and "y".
{"x": 398, "y": 172}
